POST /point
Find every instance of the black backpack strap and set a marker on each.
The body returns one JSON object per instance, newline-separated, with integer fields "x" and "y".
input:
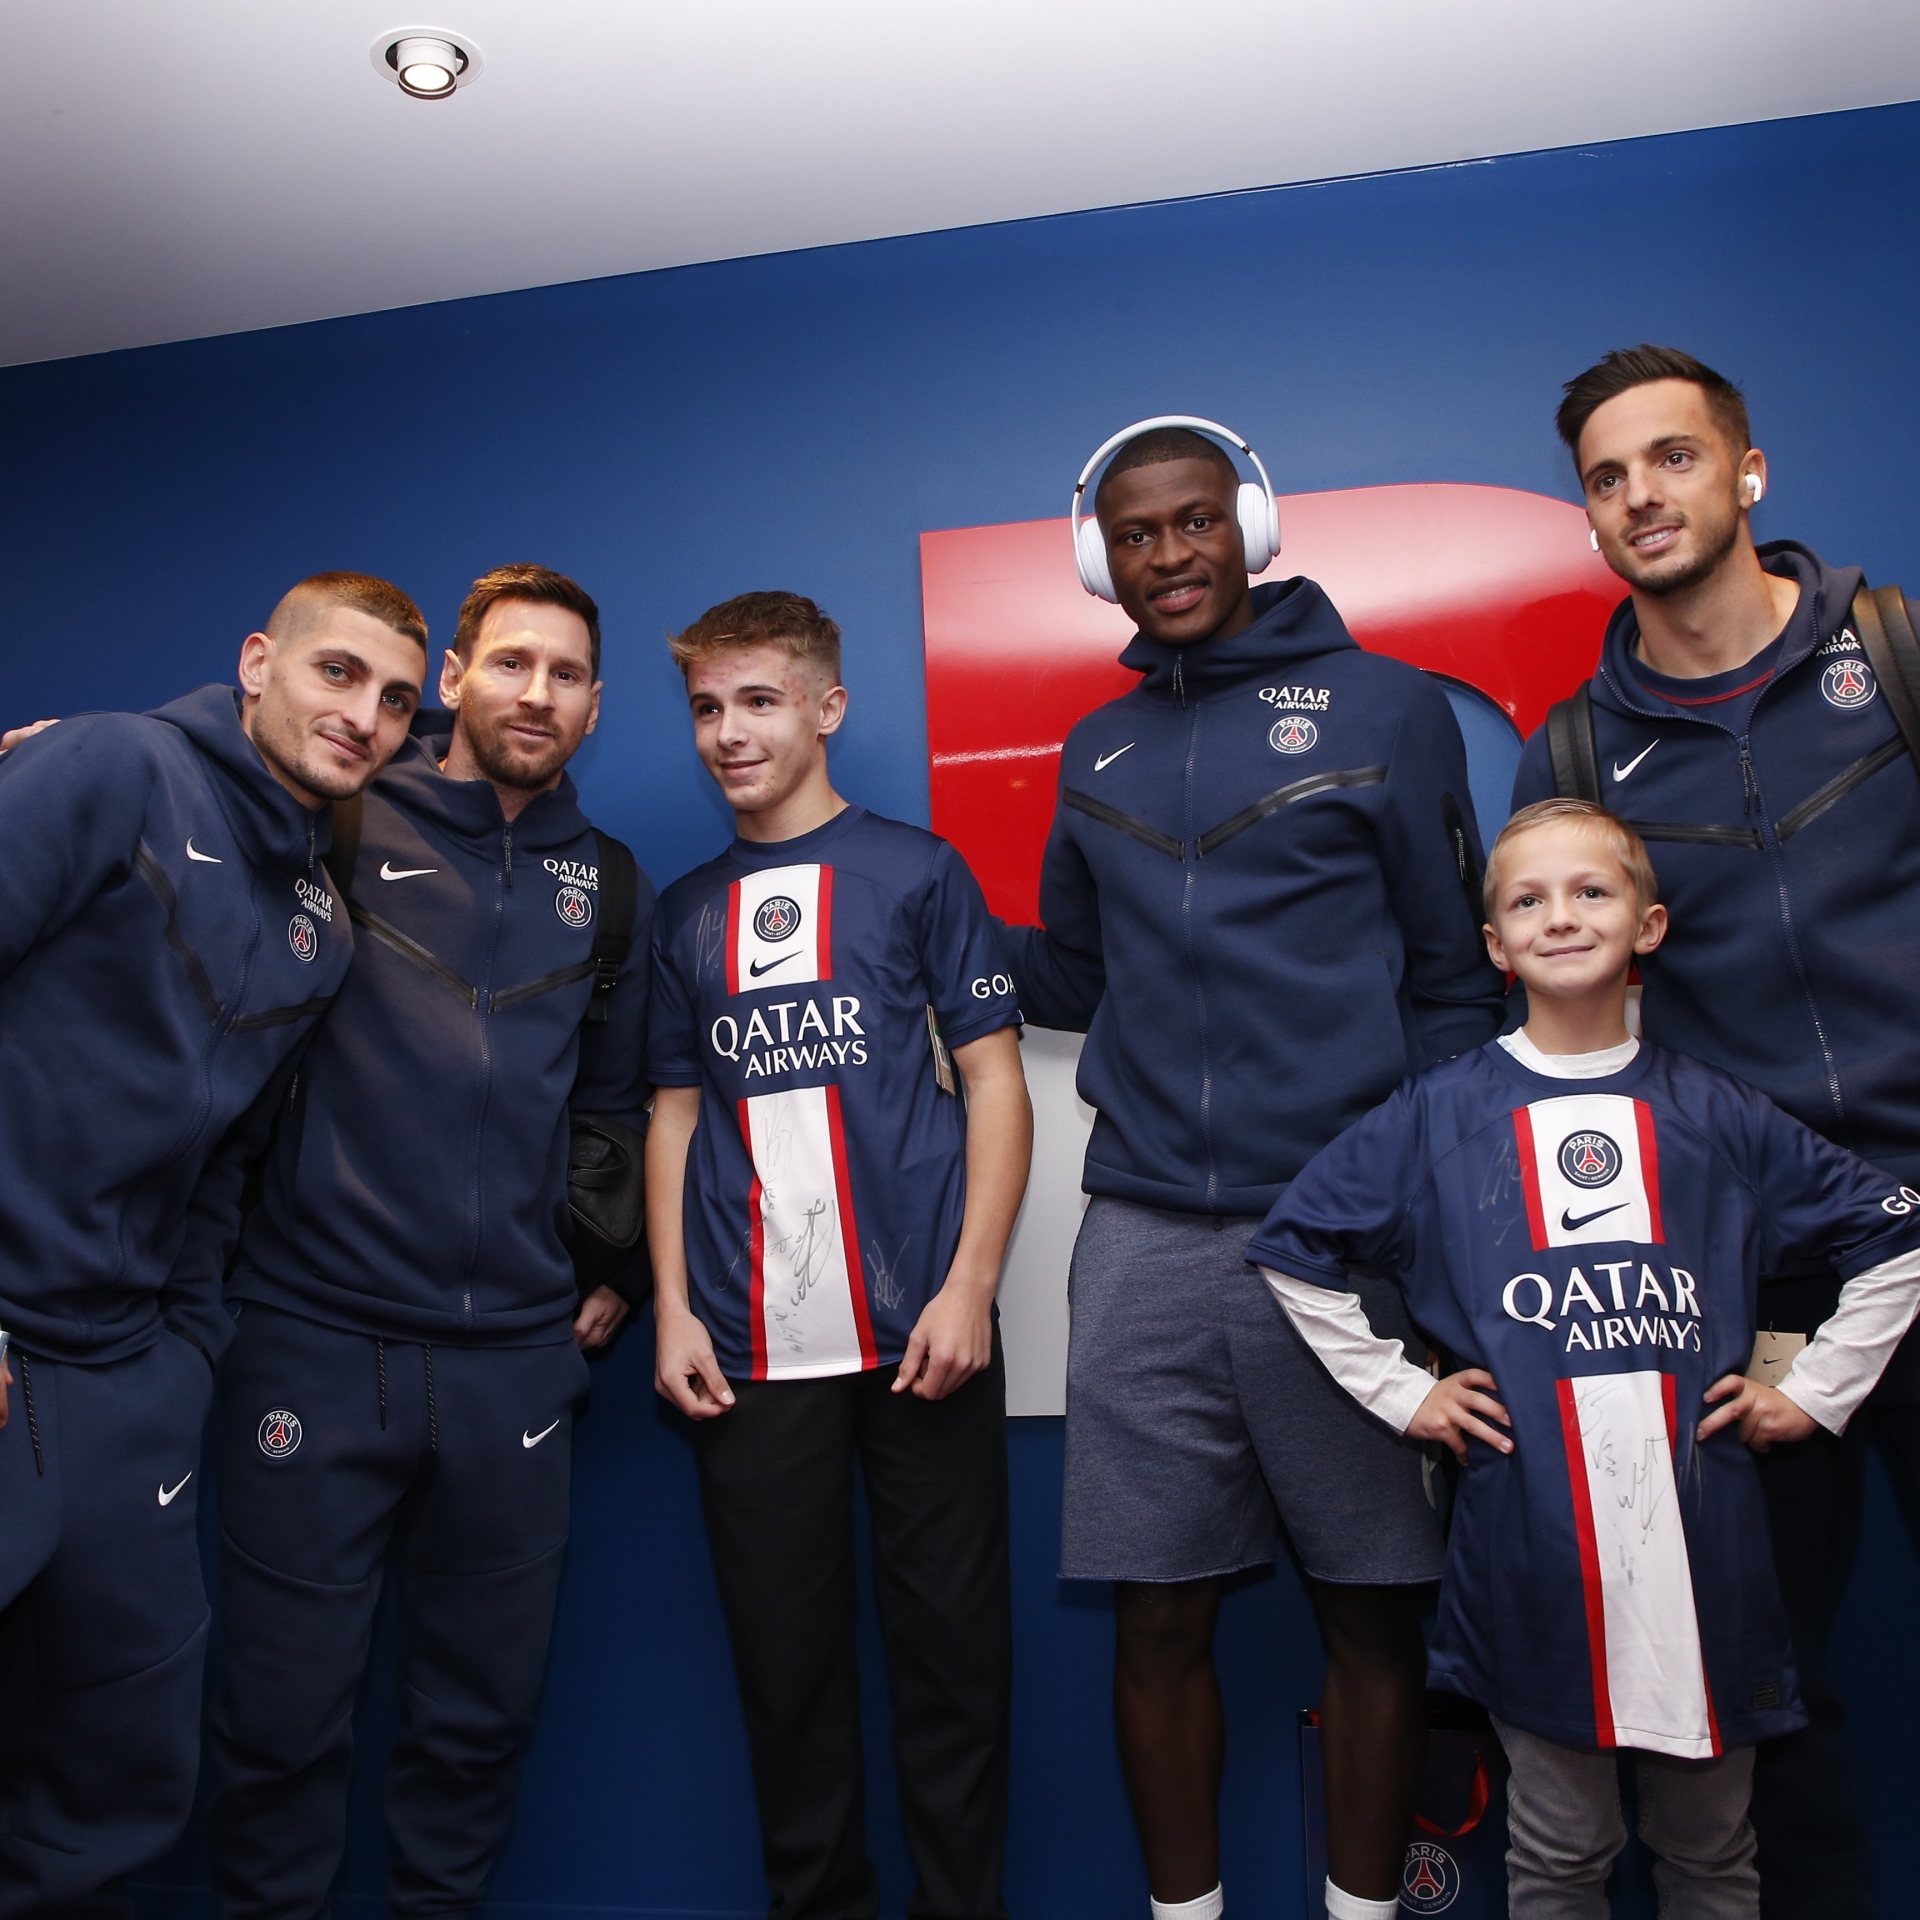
{"x": 1570, "y": 746}
{"x": 1886, "y": 632}
{"x": 619, "y": 897}
{"x": 344, "y": 855}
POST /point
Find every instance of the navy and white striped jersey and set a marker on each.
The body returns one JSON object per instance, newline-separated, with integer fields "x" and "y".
{"x": 798, "y": 985}
{"x": 1596, "y": 1246}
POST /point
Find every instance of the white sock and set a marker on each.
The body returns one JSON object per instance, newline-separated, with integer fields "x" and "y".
{"x": 1349, "y": 1906}
{"x": 1209, "y": 1906}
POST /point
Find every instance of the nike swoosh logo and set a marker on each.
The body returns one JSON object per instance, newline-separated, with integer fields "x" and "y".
{"x": 756, "y": 969}
{"x": 167, "y": 1493}
{"x": 194, "y": 853}
{"x": 1620, "y": 772}
{"x": 1568, "y": 1224}
{"x": 388, "y": 871}
{"x": 534, "y": 1439}
{"x": 1107, "y": 759}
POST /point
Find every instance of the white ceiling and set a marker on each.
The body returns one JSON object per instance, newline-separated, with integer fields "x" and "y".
{"x": 172, "y": 168}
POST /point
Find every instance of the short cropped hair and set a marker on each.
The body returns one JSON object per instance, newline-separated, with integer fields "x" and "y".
{"x": 379, "y": 599}
{"x": 789, "y": 621}
{"x": 1161, "y": 444}
{"x": 1623, "y": 843}
{"x": 1630, "y": 367}
{"x": 536, "y": 585}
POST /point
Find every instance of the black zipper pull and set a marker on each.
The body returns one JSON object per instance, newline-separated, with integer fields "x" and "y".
{"x": 1179, "y": 679}
{"x": 506, "y": 849}
{"x": 310, "y": 845}
{"x": 1749, "y": 781}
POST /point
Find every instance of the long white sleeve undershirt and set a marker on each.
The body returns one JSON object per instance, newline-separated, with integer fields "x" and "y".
{"x": 1828, "y": 1379}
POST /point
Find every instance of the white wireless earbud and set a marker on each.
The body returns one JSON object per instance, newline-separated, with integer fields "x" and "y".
{"x": 1755, "y": 488}
{"x": 1593, "y": 538}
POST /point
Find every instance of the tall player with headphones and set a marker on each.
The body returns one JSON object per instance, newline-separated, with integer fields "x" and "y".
{"x": 1260, "y": 903}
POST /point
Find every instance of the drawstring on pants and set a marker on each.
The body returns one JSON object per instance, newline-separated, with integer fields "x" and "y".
{"x": 433, "y": 1411}
{"x": 380, "y": 1350}
{"x": 33, "y": 1418}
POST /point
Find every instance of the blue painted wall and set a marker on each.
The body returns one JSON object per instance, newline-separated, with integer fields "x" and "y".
{"x": 798, "y": 420}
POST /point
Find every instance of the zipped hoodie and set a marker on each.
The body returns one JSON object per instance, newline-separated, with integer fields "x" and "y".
{"x": 1260, "y": 898}
{"x": 1784, "y": 822}
{"x": 416, "y": 1185}
{"x": 168, "y": 938}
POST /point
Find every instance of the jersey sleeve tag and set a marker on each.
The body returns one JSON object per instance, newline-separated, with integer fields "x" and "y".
{"x": 944, "y": 1076}
{"x": 1773, "y": 1354}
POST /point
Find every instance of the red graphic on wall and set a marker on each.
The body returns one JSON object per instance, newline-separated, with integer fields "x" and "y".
{"x": 1488, "y": 586}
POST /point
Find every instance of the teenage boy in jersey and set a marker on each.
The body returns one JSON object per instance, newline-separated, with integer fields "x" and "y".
{"x": 839, "y": 1146}
{"x": 1738, "y": 723}
{"x": 407, "y": 1365}
{"x": 1581, "y": 1219}
{"x": 1266, "y": 783}
{"x": 168, "y": 938}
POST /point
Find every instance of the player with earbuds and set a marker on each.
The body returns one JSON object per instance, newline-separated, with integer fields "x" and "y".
{"x": 1756, "y": 716}
{"x": 1260, "y": 903}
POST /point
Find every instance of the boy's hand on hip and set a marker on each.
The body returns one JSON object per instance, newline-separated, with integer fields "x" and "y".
{"x": 951, "y": 1341}
{"x": 1460, "y": 1405}
{"x": 684, "y": 1369}
{"x": 1766, "y": 1416}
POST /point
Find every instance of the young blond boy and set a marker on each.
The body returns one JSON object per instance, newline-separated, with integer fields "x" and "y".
{"x": 1578, "y": 1220}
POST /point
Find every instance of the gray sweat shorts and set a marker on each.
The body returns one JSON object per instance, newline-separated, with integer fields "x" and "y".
{"x": 1198, "y": 1420}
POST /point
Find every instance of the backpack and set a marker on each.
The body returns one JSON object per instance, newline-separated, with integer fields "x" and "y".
{"x": 606, "y": 1182}
{"x": 1886, "y": 633}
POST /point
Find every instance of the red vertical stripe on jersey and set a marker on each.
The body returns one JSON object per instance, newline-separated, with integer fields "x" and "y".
{"x": 1589, "y": 1561}
{"x": 733, "y": 985}
{"x": 1650, "y": 1176}
{"x": 843, "y": 1188}
{"x": 823, "y": 927}
{"x": 1667, "y": 1385}
{"x": 756, "y": 1219}
{"x": 1530, "y": 1176}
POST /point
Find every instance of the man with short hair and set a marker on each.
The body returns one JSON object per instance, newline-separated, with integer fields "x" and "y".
{"x": 1259, "y": 904}
{"x": 1737, "y": 719}
{"x": 828, "y": 1216}
{"x": 407, "y": 1368}
{"x": 168, "y": 939}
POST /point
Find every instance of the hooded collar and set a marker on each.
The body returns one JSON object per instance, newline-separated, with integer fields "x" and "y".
{"x": 469, "y": 810}
{"x": 1825, "y": 605}
{"x": 273, "y": 828}
{"x": 1293, "y": 621}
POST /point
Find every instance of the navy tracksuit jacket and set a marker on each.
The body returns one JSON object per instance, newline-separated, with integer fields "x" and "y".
{"x": 168, "y": 938}
{"x": 1261, "y": 905}
{"x": 404, "y": 1360}
{"x": 1782, "y": 812}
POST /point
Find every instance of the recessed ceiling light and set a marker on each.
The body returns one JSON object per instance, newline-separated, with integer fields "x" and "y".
{"x": 427, "y": 62}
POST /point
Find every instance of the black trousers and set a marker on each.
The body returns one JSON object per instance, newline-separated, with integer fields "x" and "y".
{"x": 1815, "y": 1857}
{"x": 776, "y": 1482}
{"x": 336, "y": 1449}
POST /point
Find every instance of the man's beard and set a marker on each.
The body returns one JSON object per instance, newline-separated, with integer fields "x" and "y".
{"x": 1689, "y": 573}
{"x": 508, "y": 765}
{"x": 308, "y": 765}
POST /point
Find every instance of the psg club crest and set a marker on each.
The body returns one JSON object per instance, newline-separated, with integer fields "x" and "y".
{"x": 778, "y": 918}
{"x": 1293, "y": 734}
{"x": 1589, "y": 1159}
{"x": 574, "y": 905}
{"x": 1431, "y": 1881}
{"x": 302, "y": 938}
{"x": 1848, "y": 683}
{"x": 279, "y": 1434}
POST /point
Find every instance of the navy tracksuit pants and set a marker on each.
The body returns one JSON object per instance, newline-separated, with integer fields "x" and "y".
{"x": 106, "y": 1620}
{"x": 336, "y": 1447}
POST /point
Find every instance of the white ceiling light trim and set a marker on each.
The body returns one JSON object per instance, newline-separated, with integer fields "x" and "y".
{"x": 429, "y": 63}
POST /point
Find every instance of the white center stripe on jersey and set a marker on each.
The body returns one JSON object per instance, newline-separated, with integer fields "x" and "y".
{"x": 809, "y": 1299}
{"x": 780, "y": 928}
{"x": 1591, "y": 1170}
{"x": 1649, "y": 1679}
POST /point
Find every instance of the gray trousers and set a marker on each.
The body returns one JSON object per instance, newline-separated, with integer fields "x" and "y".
{"x": 1565, "y": 1827}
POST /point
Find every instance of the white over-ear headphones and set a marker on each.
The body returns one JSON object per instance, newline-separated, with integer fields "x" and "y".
{"x": 1258, "y": 511}
{"x": 1755, "y": 488}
